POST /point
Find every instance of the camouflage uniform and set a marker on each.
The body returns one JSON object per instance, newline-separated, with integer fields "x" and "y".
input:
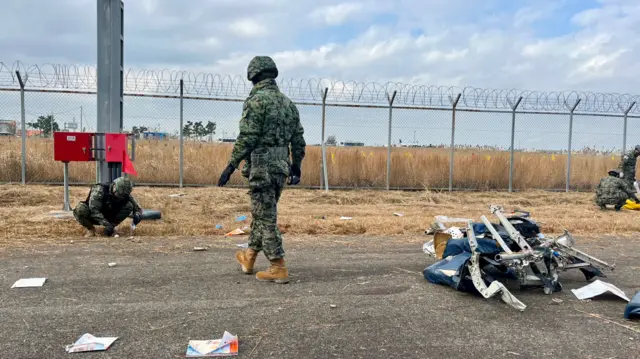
{"x": 107, "y": 205}
{"x": 270, "y": 123}
{"x": 628, "y": 165}
{"x": 613, "y": 190}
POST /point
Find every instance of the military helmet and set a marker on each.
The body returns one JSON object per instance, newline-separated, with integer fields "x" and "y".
{"x": 259, "y": 64}
{"x": 122, "y": 186}
{"x": 614, "y": 173}
{"x": 636, "y": 149}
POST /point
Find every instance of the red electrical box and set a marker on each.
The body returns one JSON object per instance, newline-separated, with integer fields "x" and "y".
{"x": 116, "y": 146}
{"x": 72, "y": 146}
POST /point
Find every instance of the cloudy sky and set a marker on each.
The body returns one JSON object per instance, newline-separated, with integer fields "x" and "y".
{"x": 528, "y": 44}
{"x": 544, "y": 45}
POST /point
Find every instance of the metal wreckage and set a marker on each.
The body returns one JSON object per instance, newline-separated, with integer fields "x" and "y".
{"x": 474, "y": 257}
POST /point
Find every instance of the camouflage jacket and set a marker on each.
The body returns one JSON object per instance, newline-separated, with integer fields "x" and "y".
{"x": 269, "y": 119}
{"x": 628, "y": 166}
{"x": 612, "y": 189}
{"x": 100, "y": 202}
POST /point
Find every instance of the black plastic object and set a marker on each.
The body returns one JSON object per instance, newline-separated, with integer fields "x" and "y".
{"x": 632, "y": 311}
{"x": 149, "y": 214}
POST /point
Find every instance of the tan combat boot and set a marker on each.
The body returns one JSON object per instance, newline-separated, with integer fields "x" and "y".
{"x": 277, "y": 272}
{"x": 246, "y": 259}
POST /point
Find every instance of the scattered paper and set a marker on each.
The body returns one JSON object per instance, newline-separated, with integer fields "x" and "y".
{"x": 89, "y": 343}
{"x": 29, "y": 283}
{"x": 241, "y": 218}
{"x": 596, "y": 288}
{"x": 226, "y": 346}
{"x": 346, "y": 218}
{"x": 243, "y": 245}
{"x": 218, "y": 226}
{"x": 177, "y": 195}
{"x": 112, "y": 264}
{"x": 199, "y": 249}
{"x": 429, "y": 248}
{"x": 235, "y": 232}
{"x": 398, "y": 214}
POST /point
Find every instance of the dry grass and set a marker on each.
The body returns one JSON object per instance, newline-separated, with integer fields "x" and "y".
{"x": 157, "y": 162}
{"x": 24, "y": 212}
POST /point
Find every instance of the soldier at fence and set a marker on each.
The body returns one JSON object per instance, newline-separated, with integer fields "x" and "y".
{"x": 270, "y": 123}
{"x": 107, "y": 205}
{"x": 613, "y": 190}
{"x": 628, "y": 166}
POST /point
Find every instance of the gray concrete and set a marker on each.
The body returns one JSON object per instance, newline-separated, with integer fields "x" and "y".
{"x": 161, "y": 294}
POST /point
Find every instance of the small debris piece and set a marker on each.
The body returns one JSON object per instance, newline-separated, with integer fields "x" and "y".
{"x": 218, "y": 226}
{"x": 333, "y": 306}
{"x": 130, "y": 238}
{"x": 398, "y": 214}
{"x": 346, "y": 218}
{"x": 116, "y": 235}
{"x": 557, "y": 301}
{"x": 89, "y": 343}
{"x": 112, "y": 264}
{"x": 241, "y": 218}
{"x": 597, "y": 288}
{"x": 199, "y": 249}
{"x": 177, "y": 195}
{"x": 71, "y": 242}
{"x": 243, "y": 245}
{"x": 235, "y": 232}
{"x": 29, "y": 283}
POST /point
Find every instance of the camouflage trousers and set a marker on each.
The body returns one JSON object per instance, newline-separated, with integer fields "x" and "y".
{"x": 265, "y": 235}
{"x": 82, "y": 213}
{"x": 617, "y": 201}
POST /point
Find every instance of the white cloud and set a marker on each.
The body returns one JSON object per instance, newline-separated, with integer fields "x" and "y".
{"x": 335, "y": 14}
{"x": 458, "y": 42}
{"x": 248, "y": 28}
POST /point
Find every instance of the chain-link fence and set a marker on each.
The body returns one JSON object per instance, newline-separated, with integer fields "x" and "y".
{"x": 421, "y": 137}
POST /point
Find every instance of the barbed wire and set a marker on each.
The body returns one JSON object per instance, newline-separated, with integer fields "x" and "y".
{"x": 83, "y": 77}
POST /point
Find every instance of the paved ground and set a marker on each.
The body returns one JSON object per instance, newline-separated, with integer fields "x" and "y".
{"x": 161, "y": 294}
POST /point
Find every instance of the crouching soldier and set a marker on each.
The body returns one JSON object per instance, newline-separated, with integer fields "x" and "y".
{"x": 107, "y": 205}
{"x": 613, "y": 190}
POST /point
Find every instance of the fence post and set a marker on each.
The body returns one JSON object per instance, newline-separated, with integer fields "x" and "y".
{"x": 23, "y": 131}
{"x": 181, "y": 134}
{"x": 571, "y": 109}
{"x": 67, "y": 205}
{"x": 624, "y": 130}
{"x": 324, "y": 144}
{"x": 513, "y": 135}
{"x": 390, "y": 100}
{"x": 454, "y": 103}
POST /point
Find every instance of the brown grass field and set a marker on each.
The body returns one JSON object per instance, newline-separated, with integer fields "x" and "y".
{"x": 25, "y": 217}
{"x": 158, "y": 162}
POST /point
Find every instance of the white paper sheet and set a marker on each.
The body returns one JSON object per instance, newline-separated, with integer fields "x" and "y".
{"x": 29, "y": 283}
{"x": 596, "y": 288}
{"x": 90, "y": 343}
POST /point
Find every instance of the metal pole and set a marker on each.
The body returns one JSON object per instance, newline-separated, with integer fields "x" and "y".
{"x": 453, "y": 132}
{"x": 181, "y": 134}
{"x": 390, "y": 99}
{"x": 81, "y": 114}
{"x": 110, "y": 77}
{"x": 571, "y": 109}
{"x": 51, "y": 125}
{"x": 624, "y": 130}
{"x": 513, "y": 134}
{"x": 67, "y": 205}
{"x": 324, "y": 145}
{"x": 23, "y": 134}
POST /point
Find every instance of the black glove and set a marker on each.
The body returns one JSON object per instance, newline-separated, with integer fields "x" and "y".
{"x": 635, "y": 199}
{"x": 137, "y": 218}
{"x": 294, "y": 175}
{"x": 226, "y": 174}
{"x": 109, "y": 229}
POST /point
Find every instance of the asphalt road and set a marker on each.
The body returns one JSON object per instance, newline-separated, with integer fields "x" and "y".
{"x": 162, "y": 293}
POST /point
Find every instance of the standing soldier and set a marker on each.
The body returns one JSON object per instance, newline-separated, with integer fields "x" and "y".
{"x": 107, "y": 205}
{"x": 613, "y": 190}
{"x": 270, "y": 123}
{"x": 628, "y": 166}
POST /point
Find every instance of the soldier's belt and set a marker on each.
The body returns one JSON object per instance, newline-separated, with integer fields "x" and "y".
{"x": 266, "y": 154}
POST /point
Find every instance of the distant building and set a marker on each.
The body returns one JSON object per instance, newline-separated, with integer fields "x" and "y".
{"x": 227, "y": 140}
{"x": 7, "y": 128}
{"x": 154, "y": 135}
{"x": 352, "y": 144}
